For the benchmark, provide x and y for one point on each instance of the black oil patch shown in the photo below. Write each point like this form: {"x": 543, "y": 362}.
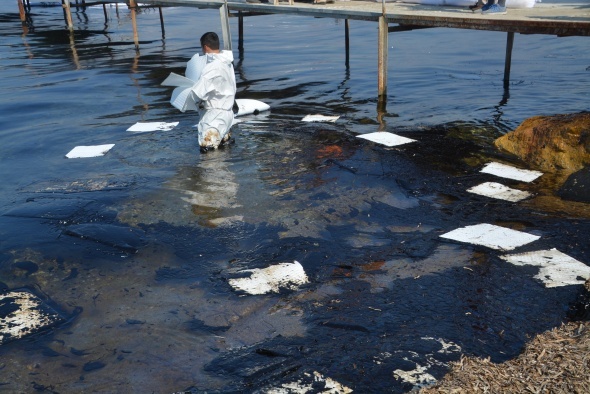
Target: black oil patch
{"x": 49, "y": 208}
{"x": 127, "y": 239}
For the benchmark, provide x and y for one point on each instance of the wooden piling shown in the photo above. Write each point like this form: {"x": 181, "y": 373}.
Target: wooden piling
{"x": 382, "y": 46}
{"x": 240, "y": 31}
{"x": 224, "y": 14}
{"x": 347, "y": 43}
{"x": 132, "y": 7}
{"x": 162, "y": 22}
{"x": 68, "y": 11}
{"x": 21, "y": 11}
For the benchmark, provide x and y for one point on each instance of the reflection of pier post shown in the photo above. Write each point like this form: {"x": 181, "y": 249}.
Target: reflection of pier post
{"x": 508, "y": 61}
{"x": 75, "y": 57}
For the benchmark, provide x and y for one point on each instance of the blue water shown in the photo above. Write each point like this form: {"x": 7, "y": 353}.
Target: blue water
{"x": 59, "y": 91}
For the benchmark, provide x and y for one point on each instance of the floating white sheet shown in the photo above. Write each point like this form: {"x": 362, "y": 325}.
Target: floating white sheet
{"x": 506, "y": 171}
{"x": 556, "y": 268}
{"x": 499, "y": 191}
{"x": 31, "y": 315}
{"x": 89, "y": 151}
{"x": 320, "y": 118}
{"x": 271, "y": 279}
{"x": 142, "y": 127}
{"x": 492, "y": 236}
{"x": 385, "y": 138}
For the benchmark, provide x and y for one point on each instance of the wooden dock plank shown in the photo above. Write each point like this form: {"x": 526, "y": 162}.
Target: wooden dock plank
{"x": 572, "y": 19}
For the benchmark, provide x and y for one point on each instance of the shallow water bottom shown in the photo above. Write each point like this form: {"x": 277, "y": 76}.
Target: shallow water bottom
{"x": 386, "y": 293}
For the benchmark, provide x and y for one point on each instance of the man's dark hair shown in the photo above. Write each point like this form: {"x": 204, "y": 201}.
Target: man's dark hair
{"x": 211, "y": 40}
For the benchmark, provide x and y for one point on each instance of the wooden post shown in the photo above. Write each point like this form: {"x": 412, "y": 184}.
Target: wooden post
{"x": 382, "y": 60}
{"x": 104, "y": 10}
{"x": 346, "y": 42}
{"x": 162, "y": 22}
{"x": 21, "y": 10}
{"x": 66, "y": 6}
{"x": 132, "y": 6}
{"x": 508, "y": 61}
{"x": 224, "y": 14}
{"x": 240, "y": 31}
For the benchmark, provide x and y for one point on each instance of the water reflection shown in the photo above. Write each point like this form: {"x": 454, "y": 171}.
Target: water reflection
{"x": 200, "y": 194}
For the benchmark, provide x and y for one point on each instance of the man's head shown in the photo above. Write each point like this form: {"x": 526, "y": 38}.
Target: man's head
{"x": 210, "y": 42}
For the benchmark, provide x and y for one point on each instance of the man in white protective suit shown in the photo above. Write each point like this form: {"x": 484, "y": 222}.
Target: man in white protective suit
{"x": 215, "y": 91}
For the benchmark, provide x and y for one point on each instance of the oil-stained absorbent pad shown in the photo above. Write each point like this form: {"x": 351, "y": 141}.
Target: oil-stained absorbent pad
{"x": 23, "y": 314}
{"x": 506, "y": 171}
{"x": 385, "y": 138}
{"x": 319, "y": 118}
{"x": 142, "y": 127}
{"x": 492, "y": 236}
{"x": 499, "y": 191}
{"x": 315, "y": 383}
{"x": 556, "y": 268}
{"x": 89, "y": 151}
{"x": 271, "y": 279}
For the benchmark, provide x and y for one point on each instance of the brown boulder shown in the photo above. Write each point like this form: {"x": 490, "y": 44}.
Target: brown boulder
{"x": 558, "y": 143}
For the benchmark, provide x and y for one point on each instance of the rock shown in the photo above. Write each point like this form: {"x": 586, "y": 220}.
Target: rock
{"x": 576, "y": 187}
{"x": 559, "y": 143}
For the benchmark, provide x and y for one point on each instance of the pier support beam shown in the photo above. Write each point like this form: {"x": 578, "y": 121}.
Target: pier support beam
{"x": 240, "y": 31}
{"x": 347, "y": 42}
{"x": 382, "y": 45}
{"x": 508, "y": 61}
{"x": 162, "y": 23}
{"x": 68, "y": 11}
{"x": 22, "y": 12}
{"x": 133, "y": 7}
{"x": 224, "y": 14}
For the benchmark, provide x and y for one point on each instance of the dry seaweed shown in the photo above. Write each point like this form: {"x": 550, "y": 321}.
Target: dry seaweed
{"x": 556, "y": 361}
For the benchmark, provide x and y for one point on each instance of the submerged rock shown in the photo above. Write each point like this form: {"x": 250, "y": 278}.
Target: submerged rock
{"x": 23, "y": 314}
{"x": 577, "y": 187}
{"x": 559, "y": 143}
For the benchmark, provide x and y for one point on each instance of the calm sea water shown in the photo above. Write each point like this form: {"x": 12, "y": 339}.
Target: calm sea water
{"x": 141, "y": 312}
{"x": 59, "y": 91}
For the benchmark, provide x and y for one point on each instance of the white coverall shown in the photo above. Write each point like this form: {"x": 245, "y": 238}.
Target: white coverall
{"x": 215, "y": 89}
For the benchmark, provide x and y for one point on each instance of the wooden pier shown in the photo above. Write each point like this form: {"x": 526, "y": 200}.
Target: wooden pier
{"x": 572, "y": 19}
